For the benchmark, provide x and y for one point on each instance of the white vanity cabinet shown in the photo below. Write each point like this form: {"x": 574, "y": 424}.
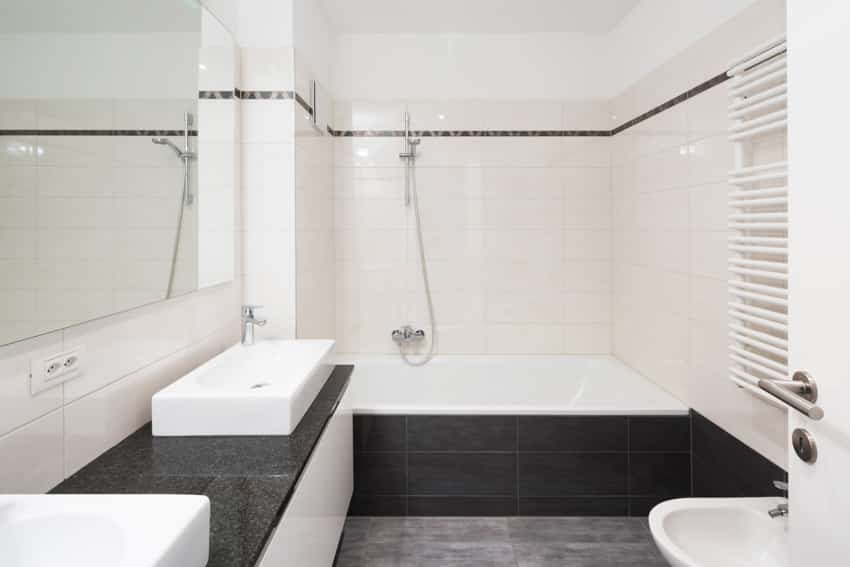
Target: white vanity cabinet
{"x": 309, "y": 531}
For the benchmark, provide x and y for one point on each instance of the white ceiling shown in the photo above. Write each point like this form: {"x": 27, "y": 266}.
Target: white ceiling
{"x": 475, "y": 16}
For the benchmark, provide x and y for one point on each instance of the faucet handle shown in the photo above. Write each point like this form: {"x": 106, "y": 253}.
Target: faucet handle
{"x": 781, "y": 485}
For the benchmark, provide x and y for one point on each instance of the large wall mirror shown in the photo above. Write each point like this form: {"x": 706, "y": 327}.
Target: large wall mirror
{"x": 117, "y": 158}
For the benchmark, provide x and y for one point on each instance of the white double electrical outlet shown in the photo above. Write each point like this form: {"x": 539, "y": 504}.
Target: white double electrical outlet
{"x": 49, "y": 372}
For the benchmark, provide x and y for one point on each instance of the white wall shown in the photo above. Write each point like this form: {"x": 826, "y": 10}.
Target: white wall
{"x": 314, "y": 194}
{"x": 517, "y": 230}
{"x": 314, "y": 41}
{"x": 530, "y": 66}
{"x": 656, "y": 30}
{"x": 524, "y": 66}
{"x": 255, "y": 23}
{"x": 100, "y": 66}
{"x": 264, "y": 31}
{"x": 670, "y": 245}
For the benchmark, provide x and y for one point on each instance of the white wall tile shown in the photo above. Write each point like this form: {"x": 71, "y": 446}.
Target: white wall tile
{"x": 68, "y": 114}
{"x": 516, "y": 307}
{"x": 524, "y": 339}
{"x": 18, "y": 114}
{"x": 163, "y": 114}
{"x": 587, "y": 339}
{"x": 709, "y": 209}
{"x": 17, "y": 405}
{"x": 98, "y": 421}
{"x": 373, "y": 115}
{"x": 670, "y": 242}
{"x": 587, "y": 308}
{"x": 267, "y": 68}
{"x": 270, "y": 121}
{"x": 587, "y": 244}
{"x": 709, "y": 254}
{"x": 31, "y": 456}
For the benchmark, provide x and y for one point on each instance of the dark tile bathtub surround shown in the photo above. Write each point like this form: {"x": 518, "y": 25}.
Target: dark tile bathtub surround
{"x": 248, "y": 480}
{"x": 724, "y": 466}
{"x": 518, "y": 465}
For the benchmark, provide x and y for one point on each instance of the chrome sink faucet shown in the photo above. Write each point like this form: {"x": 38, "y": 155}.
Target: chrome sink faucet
{"x": 781, "y": 510}
{"x": 248, "y": 323}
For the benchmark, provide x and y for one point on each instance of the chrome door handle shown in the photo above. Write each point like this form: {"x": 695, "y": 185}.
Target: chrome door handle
{"x": 800, "y": 393}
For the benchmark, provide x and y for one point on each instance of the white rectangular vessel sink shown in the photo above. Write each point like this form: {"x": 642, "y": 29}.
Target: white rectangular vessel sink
{"x": 137, "y": 530}
{"x": 261, "y": 389}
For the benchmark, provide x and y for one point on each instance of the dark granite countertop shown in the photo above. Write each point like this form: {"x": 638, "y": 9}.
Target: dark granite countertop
{"x": 248, "y": 480}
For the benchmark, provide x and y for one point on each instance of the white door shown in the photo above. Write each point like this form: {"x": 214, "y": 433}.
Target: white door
{"x": 819, "y": 285}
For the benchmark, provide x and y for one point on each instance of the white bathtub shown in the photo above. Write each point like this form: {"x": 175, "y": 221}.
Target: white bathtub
{"x": 543, "y": 385}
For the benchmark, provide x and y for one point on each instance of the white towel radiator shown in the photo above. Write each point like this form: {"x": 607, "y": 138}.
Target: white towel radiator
{"x": 758, "y": 221}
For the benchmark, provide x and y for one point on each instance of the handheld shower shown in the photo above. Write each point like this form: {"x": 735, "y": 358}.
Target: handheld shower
{"x": 407, "y": 335}
{"x": 182, "y": 154}
{"x": 186, "y": 198}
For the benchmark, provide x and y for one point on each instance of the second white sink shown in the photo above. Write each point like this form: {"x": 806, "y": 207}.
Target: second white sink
{"x": 138, "y": 530}
{"x": 262, "y": 389}
{"x": 710, "y": 532}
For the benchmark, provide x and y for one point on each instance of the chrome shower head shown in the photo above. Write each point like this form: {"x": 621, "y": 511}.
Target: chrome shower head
{"x": 169, "y": 143}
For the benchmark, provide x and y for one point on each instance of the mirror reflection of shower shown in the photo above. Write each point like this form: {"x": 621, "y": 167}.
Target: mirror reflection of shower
{"x": 407, "y": 335}
{"x": 186, "y": 155}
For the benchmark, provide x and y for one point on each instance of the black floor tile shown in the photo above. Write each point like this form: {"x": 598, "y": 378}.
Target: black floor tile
{"x": 589, "y": 555}
{"x": 578, "y": 530}
{"x": 576, "y": 506}
{"x": 502, "y": 542}
{"x": 461, "y": 506}
{"x": 439, "y": 530}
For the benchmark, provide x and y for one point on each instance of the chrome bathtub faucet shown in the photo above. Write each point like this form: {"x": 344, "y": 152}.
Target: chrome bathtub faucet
{"x": 249, "y": 321}
{"x": 407, "y": 335}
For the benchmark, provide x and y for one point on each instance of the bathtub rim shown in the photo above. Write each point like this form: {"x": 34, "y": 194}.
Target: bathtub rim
{"x": 671, "y": 406}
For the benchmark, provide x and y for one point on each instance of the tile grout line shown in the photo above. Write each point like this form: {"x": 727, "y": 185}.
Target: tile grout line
{"x": 629, "y": 466}
{"x": 516, "y": 481}
{"x": 406, "y": 468}
{"x": 691, "y": 438}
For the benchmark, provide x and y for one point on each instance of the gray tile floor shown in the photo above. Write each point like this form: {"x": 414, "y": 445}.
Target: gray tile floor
{"x": 498, "y": 542}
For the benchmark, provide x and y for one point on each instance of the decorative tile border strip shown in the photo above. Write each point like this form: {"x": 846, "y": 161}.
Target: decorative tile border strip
{"x": 702, "y": 87}
{"x": 304, "y": 104}
{"x": 216, "y": 95}
{"x": 471, "y": 133}
{"x": 82, "y": 132}
{"x": 273, "y": 95}
{"x": 264, "y": 95}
